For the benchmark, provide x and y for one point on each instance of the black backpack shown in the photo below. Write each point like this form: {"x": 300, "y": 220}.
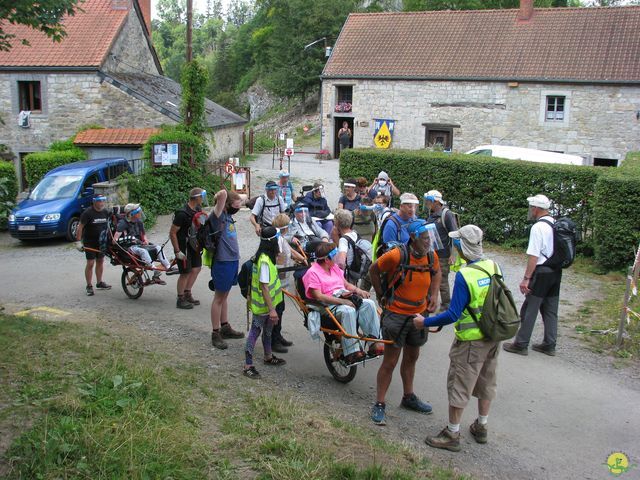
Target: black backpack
{"x": 360, "y": 262}
{"x": 565, "y": 237}
{"x": 244, "y": 277}
{"x": 264, "y": 205}
{"x": 391, "y": 281}
{"x": 499, "y": 320}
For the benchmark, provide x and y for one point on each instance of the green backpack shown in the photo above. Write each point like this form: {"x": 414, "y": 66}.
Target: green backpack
{"x": 499, "y": 320}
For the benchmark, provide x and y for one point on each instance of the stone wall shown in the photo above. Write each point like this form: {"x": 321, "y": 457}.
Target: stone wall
{"x": 600, "y": 121}
{"x": 227, "y": 142}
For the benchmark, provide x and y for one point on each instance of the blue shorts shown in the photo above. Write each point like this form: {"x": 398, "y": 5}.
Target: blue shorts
{"x": 224, "y": 275}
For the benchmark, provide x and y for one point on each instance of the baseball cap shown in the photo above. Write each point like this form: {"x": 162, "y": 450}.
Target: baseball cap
{"x": 409, "y": 198}
{"x": 283, "y": 173}
{"x": 132, "y": 208}
{"x": 470, "y": 239}
{"x": 434, "y": 196}
{"x": 540, "y": 201}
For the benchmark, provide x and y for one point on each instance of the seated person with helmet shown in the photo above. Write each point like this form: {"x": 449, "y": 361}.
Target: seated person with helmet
{"x": 131, "y": 235}
{"x": 324, "y": 283}
{"x": 303, "y": 230}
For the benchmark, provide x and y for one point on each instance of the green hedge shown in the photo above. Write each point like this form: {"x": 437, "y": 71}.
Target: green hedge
{"x": 39, "y": 163}
{"x": 8, "y": 191}
{"x": 492, "y": 192}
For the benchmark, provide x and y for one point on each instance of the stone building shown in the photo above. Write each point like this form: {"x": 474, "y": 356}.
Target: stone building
{"x": 559, "y": 79}
{"x": 104, "y": 72}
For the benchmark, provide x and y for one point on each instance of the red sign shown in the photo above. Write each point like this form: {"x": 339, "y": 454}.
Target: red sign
{"x": 228, "y": 167}
{"x": 288, "y": 152}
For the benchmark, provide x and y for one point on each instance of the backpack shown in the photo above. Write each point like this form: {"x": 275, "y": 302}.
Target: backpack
{"x": 360, "y": 262}
{"x": 264, "y": 205}
{"x": 379, "y": 247}
{"x": 390, "y": 283}
{"x": 195, "y": 232}
{"x": 499, "y": 320}
{"x": 565, "y": 237}
{"x": 244, "y": 277}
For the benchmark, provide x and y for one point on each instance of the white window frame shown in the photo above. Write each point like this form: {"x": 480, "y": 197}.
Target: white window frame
{"x": 544, "y": 94}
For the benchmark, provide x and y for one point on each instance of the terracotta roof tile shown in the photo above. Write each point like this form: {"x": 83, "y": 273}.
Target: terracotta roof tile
{"x": 89, "y": 37}
{"x": 115, "y": 136}
{"x": 579, "y": 44}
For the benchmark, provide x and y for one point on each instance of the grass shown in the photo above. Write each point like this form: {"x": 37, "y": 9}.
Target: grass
{"x": 79, "y": 402}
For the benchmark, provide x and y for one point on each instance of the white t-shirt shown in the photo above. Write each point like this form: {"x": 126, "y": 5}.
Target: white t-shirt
{"x": 541, "y": 240}
{"x": 271, "y": 208}
{"x": 264, "y": 273}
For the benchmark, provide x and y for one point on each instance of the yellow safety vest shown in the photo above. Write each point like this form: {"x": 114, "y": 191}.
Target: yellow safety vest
{"x": 478, "y": 283}
{"x": 258, "y": 304}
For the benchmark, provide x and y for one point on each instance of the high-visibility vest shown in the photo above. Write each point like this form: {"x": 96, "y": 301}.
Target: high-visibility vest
{"x": 258, "y": 304}
{"x": 478, "y": 283}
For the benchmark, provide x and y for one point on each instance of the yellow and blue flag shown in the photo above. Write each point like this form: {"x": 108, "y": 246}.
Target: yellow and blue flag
{"x": 383, "y": 134}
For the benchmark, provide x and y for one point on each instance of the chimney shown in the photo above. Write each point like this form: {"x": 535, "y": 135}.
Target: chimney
{"x": 526, "y": 10}
{"x": 145, "y": 9}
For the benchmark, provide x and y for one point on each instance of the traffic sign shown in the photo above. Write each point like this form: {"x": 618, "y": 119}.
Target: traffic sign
{"x": 228, "y": 167}
{"x": 288, "y": 152}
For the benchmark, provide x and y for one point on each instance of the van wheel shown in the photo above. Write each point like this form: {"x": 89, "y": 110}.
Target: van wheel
{"x": 72, "y": 228}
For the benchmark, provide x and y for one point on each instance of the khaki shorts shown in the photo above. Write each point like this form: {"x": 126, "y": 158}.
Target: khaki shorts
{"x": 472, "y": 371}
{"x": 396, "y": 327}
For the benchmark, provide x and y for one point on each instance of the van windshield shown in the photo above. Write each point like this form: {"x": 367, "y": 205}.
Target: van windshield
{"x": 57, "y": 186}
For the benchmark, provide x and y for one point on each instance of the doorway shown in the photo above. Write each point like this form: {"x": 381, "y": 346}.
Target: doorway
{"x": 337, "y": 125}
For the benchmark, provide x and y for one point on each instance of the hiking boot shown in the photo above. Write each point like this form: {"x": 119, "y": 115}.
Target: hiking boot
{"x": 227, "y": 332}
{"x": 542, "y": 348}
{"x": 157, "y": 280}
{"x": 183, "y": 303}
{"x": 103, "y": 286}
{"x": 285, "y": 342}
{"x": 479, "y": 432}
{"x": 217, "y": 341}
{"x": 412, "y": 402}
{"x": 90, "y": 292}
{"x": 377, "y": 414}
{"x": 446, "y": 440}
{"x": 189, "y": 298}
{"x": 278, "y": 347}
{"x": 514, "y": 348}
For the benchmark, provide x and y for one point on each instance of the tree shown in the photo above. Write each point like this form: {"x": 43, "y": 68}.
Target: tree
{"x": 43, "y": 15}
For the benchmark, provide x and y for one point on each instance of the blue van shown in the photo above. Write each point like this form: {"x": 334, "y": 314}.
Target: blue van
{"x": 54, "y": 206}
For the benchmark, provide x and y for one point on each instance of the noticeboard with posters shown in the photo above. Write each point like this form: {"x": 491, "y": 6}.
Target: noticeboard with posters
{"x": 165, "y": 154}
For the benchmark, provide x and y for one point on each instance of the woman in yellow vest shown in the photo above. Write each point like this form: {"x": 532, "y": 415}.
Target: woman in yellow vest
{"x": 265, "y": 296}
{"x": 472, "y": 370}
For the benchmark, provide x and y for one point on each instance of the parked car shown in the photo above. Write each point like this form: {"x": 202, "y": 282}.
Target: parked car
{"x": 53, "y": 207}
{"x": 528, "y": 154}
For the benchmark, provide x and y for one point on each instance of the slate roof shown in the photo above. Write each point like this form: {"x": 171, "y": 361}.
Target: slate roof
{"x": 556, "y": 44}
{"x": 90, "y": 35}
{"x": 115, "y": 136}
{"x": 164, "y": 95}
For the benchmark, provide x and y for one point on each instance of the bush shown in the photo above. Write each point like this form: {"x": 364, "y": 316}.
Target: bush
{"x": 8, "y": 191}
{"x": 39, "y": 163}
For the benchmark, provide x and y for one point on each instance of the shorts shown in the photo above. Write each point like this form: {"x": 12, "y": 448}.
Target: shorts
{"x": 472, "y": 371}
{"x": 399, "y": 328}
{"x": 193, "y": 260}
{"x": 91, "y": 255}
{"x": 224, "y": 275}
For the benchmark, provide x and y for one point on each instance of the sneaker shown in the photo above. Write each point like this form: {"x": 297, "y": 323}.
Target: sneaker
{"x": 89, "y": 291}
{"x": 251, "y": 372}
{"x": 412, "y": 402}
{"x": 285, "y": 342}
{"x": 542, "y": 348}
{"x": 479, "y": 432}
{"x": 190, "y": 299}
{"x": 103, "y": 286}
{"x": 217, "y": 341}
{"x": 183, "y": 303}
{"x": 513, "y": 348}
{"x": 446, "y": 440}
{"x": 354, "y": 357}
{"x": 278, "y": 347}
{"x": 377, "y": 414}
{"x": 227, "y": 332}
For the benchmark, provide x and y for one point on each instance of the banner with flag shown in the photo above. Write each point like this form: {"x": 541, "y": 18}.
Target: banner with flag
{"x": 383, "y": 134}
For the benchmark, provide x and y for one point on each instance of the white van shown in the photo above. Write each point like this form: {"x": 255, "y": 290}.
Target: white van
{"x": 528, "y": 154}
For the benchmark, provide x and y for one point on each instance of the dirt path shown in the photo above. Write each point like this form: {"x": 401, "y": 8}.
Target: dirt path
{"x": 554, "y": 417}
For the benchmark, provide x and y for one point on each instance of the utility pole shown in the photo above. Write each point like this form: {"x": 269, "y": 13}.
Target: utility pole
{"x": 188, "y": 112}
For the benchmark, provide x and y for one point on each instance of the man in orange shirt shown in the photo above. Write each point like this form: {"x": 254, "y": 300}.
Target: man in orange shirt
{"x": 413, "y": 273}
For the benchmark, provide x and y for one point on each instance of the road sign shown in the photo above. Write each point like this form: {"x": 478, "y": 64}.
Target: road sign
{"x": 288, "y": 152}
{"x": 228, "y": 167}
{"x": 289, "y": 142}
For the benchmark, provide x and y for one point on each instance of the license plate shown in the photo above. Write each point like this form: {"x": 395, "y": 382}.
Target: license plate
{"x": 26, "y": 227}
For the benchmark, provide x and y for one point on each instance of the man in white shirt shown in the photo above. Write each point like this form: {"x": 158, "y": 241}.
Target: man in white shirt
{"x": 540, "y": 284}
{"x": 266, "y": 208}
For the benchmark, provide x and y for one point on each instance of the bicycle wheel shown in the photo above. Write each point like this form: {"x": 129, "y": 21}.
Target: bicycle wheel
{"x": 132, "y": 284}
{"x": 332, "y": 355}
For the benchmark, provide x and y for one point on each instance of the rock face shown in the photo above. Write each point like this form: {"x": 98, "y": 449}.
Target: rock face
{"x": 259, "y": 100}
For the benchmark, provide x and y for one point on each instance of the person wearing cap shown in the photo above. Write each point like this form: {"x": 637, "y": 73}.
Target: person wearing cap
{"x": 324, "y": 282}
{"x": 285, "y": 186}
{"x": 473, "y": 357}
{"x": 395, "y": 228}
{"x": 445, "y": 222}
{"x": 267, "y": 206}
{"x": 383, "y": 185}
{"x": 264, "y": 298}
{"x": 130, "y": 233}
{"x": 318, "y": 207}
{"x": 540, "y": 283}
{"x": 415, "y": 295}
{"x": 188, "y": 260}
{"x": 93, "y": 222}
